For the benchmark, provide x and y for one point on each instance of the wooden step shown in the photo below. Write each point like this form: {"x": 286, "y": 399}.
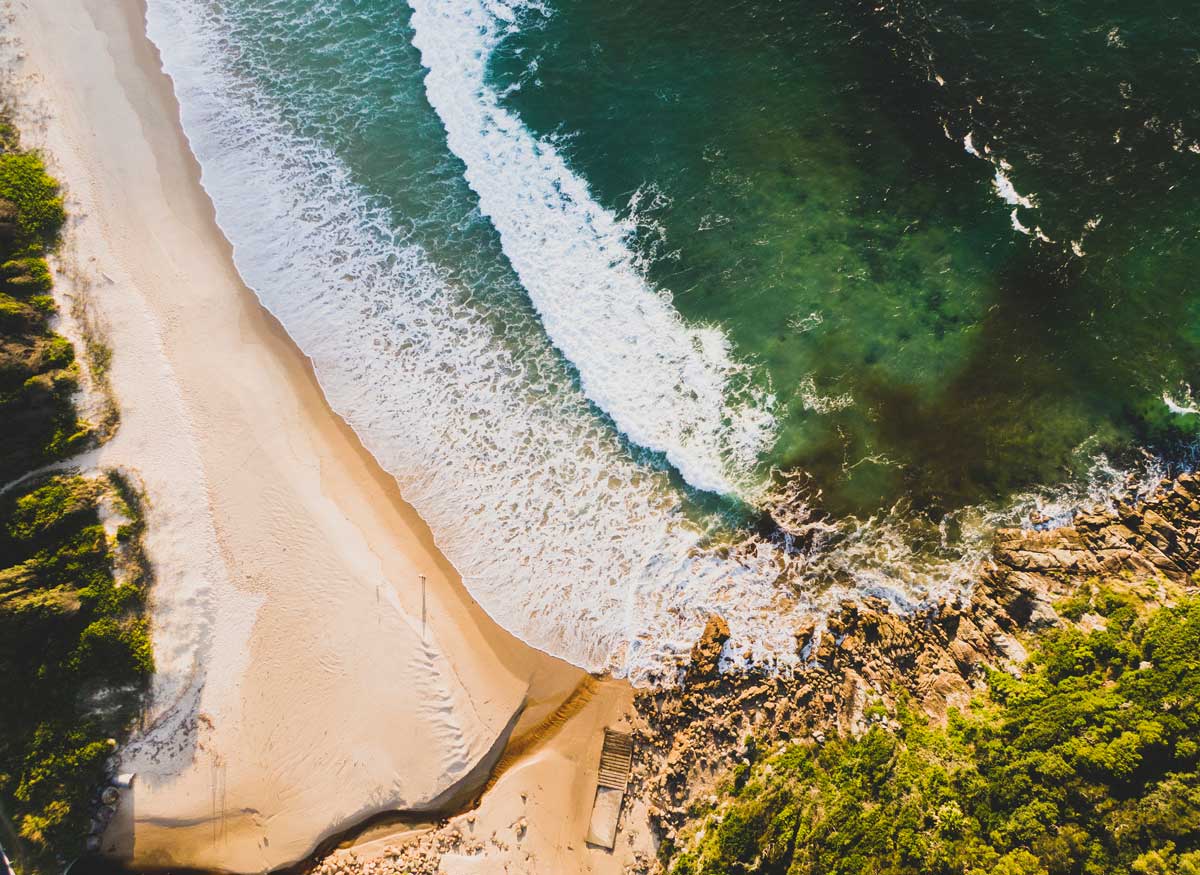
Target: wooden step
{"x": 616, "y": 760}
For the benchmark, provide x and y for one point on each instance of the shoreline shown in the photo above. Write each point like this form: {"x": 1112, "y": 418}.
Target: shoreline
{"x": 274, "y": 701}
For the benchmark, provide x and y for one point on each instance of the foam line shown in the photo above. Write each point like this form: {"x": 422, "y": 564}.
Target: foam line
{"x": 561, "y": 536}
{"x": 669, "y": 386}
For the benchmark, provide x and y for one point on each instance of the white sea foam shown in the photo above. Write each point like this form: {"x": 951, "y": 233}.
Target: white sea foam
{"x": 1004, "y": 188}
{"x": 813, "y": 400}
{"x": 805, "y": 324}
{"x": 669, "y": 386}
{"x": 1185, "y": 407}
{"x": 1008, "y": 192}
{"x": 560, "y": 535}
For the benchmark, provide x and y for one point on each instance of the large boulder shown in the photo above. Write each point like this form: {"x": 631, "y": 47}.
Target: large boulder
{"x": 706, "y": 652}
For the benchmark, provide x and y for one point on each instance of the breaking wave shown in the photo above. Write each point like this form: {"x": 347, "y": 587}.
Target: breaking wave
{"x": 670, "y": 387}
{"x": 564, "y": 536}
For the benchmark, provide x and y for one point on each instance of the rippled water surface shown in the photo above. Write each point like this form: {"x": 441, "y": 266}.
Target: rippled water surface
{"x": 961, "y": 246}
{"x": 642, "y": 291}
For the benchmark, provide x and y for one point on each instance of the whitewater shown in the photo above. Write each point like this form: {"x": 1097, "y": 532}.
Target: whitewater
{"x": 670, "y": 387}
{"x": 566, "y": 534}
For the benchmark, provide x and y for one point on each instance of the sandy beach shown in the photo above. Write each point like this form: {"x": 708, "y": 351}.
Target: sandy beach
{"x": 307, "y": 678}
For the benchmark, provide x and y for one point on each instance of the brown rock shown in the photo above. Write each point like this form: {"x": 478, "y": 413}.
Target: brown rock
{"x": 824, "y": 652}
{"x": 706, "y": 652}
{"x": 804, "y": 633}
{"x": 965, "y": 655}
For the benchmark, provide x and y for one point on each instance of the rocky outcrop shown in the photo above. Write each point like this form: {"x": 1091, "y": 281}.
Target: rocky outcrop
{"x": 1159, "y": 537}
{"x": 706, "y": 652}
{"x": 689, "y": 738}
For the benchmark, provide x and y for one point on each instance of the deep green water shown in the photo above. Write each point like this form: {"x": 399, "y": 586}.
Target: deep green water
{"x": 800, "y": 179}
{"x": 955, "y": 242}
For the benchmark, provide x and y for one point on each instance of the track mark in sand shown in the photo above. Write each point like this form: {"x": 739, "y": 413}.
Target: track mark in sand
{"x": 521, "y": 746}
{"x": 218, "y": 787}
{"x": 443, "y": 702}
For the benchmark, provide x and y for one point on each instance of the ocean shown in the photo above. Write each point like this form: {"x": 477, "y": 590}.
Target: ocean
{"x": 661, "y": 310}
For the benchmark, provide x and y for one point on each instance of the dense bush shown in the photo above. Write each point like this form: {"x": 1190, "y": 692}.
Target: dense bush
{"x": 25, "y": 184}
{"x": 70, "y": 635}
{"x": 38, "y": 375}
{"x": 1086, "y": 764}
{"x": 74, "y": 646}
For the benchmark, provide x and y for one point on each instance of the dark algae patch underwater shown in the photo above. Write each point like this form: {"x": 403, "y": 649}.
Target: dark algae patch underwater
{"x": 943, "y": 319}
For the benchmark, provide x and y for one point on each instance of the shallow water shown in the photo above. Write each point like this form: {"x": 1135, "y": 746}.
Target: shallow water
{"x": 633, "y": 289}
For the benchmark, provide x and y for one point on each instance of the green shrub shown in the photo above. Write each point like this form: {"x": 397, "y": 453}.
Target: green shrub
{"x": 1087, "y": 764}
{"x": 42, "y": 421}
{"x": 58, "y": 352}
{"x": 14, "y": 314}
{"x": 58, "y": 757}
{"x": 67, "y": 629}
{"x": 37, "y": 371}
{"x": 27, "y": 276}
{"x": 44, "y": 508}
{"x": 110, "y": 645}
{"x": 25, "y": 183}
{"x": 43, "y": 304}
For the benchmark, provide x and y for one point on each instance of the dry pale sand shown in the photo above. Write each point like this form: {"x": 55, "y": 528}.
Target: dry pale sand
{"x": 534, "y": 816}
{"x": 534, "y": 819}
{"x": 306, "y": 679}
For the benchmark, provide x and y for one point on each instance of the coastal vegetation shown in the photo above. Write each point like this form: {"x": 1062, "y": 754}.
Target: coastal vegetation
{"x": 38, "y": 372}
{"x": 74, "y": 646}
{"x": 1085, "y": 761}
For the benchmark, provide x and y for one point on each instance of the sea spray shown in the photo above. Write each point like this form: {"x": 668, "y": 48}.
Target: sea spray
{"x": 562, "y": 534}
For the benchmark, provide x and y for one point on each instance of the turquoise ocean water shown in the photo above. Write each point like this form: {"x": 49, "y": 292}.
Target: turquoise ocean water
{"x": 732, "y": 307}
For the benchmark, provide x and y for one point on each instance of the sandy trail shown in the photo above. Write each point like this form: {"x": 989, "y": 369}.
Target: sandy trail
{"x": 306, "y": 678}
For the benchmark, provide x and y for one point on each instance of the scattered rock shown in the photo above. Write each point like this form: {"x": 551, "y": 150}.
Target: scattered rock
{"x": 687, "y": 739}
{"x": 865, "y": 653}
